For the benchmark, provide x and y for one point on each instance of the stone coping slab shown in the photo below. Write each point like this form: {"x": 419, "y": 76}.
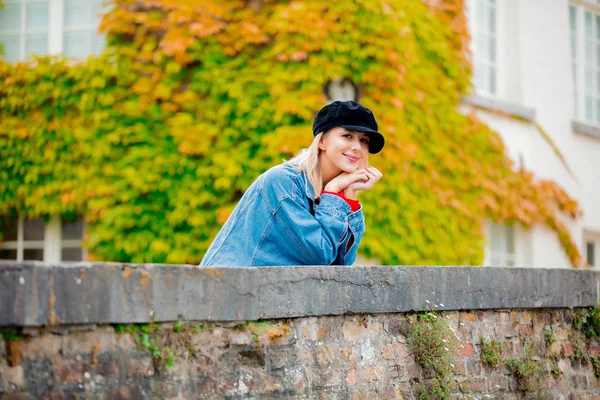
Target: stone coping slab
{"x": 34, "y": 294}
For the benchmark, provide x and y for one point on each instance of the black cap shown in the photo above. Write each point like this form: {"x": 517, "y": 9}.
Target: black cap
{"x": 352, "y": 116}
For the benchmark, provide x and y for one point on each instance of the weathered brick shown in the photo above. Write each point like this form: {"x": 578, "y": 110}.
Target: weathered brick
{"x": 140, "y": 367}
{"x": 460, "y": 368}
{"x": 325, "y": 354}
{"x": 131, "y": 392}
{"x": 352, "y": 377}
{"x": 393, "y": 393}
{"x": 502, "y": 317}
{"x": 330, "y": 377}
{"x": 387, "y": 352}
{"x": 268, "y": 383}
{"x": 313, "y": 330}
{"x": 464, "y": 350}
{"x": 280, "y": 356}
{"x": 239, "y": 385}
{"x": 477, "y": 385}
{"x": 354, "y": 330}
{"x": 70, "y": 371}
{"x": 467, "y": 317}
{"x": 371, "y": 375}
{"x": 56, "y": 395}
{"x": 16, "y": 396}
{"x": 497, "y": 384}
{"x": 402, "y": 351}
{"x": 11, "y": 378}
{"x": 349, "y": 355}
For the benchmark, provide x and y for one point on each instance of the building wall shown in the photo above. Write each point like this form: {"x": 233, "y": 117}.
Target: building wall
{"x": 339, "y": 357}
{"x": 535, "y": 72}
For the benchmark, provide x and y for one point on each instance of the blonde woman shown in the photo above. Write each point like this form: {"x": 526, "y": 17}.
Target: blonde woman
{"x": 305, "y": 211}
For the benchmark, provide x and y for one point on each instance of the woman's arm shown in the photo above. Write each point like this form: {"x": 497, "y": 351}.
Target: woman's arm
{"x": 318, "y": 237}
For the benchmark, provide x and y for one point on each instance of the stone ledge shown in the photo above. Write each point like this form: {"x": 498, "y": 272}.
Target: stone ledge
{"x": 38, "y": 294}
{"x": 581, "y": 128}
{"x": 516, "y": 110}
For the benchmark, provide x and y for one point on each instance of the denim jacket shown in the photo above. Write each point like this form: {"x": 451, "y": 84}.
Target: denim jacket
{"x": 278, "y": 222}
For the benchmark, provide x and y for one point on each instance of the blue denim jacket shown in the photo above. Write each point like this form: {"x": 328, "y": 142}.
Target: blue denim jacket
{"x": 278, "y": 222}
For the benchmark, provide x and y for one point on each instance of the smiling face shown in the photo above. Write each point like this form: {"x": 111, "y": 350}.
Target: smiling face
{"x": 343, "y": 151}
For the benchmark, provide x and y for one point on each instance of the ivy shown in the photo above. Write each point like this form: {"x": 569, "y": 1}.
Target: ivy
{"x": 156, "y": 139}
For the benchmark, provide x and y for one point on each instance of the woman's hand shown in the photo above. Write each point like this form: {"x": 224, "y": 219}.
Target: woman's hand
{"x": 352, "y": 183}
{"x": 373, "y": 176}
{"x": 345, "y": 179}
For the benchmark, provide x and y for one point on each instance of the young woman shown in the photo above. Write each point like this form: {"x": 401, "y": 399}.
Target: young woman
{"x": 305, "y": 211}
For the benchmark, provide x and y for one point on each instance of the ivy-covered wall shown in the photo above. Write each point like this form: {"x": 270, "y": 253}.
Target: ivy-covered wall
{"x": 156, "y": 139}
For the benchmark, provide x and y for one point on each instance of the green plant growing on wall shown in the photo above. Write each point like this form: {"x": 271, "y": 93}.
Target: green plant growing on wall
{"x": 587, "y": 321}
{"x": 433, "y": 344}
{"x": 528, "y": 370}
{"x": 549, "y": 337}
{"x": 491, "y": 352}
{"x": 596, "y": 365}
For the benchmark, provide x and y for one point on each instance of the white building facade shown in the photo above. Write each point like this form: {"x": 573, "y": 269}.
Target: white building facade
{"x": 539, "y": 61}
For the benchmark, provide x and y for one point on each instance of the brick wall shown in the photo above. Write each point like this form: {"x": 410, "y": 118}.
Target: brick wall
{"x": 326, "y": 357}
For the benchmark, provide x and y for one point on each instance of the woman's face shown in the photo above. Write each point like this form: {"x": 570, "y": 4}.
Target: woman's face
{"x": 345, "y": 150}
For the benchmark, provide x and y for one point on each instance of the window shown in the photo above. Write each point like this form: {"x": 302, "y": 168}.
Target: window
{"x": 41, "y": 27}
{"x": 584, "y": 19}
{"x": 34, "y": 239}
{"x": 590, "y": 254}
{"x": 483, "y": 24}
{"x": 500, "y": 251}
{"x": 591, "y": 248}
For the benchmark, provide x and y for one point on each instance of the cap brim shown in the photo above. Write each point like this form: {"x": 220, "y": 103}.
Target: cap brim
{"x": 376, "y": 140}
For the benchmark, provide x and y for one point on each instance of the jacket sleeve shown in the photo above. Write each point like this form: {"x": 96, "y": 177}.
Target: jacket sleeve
{"x": 356, "y": 223}
{"x": 318, "y": 237}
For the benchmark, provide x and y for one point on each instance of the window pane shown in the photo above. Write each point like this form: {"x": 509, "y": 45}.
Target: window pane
{"x": 589, "y": 111}
{"x": 36, "y": 43}
{"x": 492, "y": 49}
{"x": 71, "y": 255}
{"x": 589, "y": 80}
{"x": 33, "y": 254}
{"x": 98, "y": 43}
{"x": 7, "y": 254}
{"x": 34, "y": 229}
{"x": 77, "y": 44}
{"x": 12, "y": 51}
{"x": 589, "y": 254}
{"x": 598, "y": 111}
{"x": 493, "y": 80}
{"x": 492, "y": 20}
{"x": 573, "y": 18}
{"x": 495, "y": 238}
{"x": 72, "y": 229}
{"x": 510, "y": 240}
{"x": 77, "y": 13}
{"x": 10, "y": 226}
{"x": 589, "y": 30}
{"x": 598, "y": 27}
{"x": 36, "y": 15}
{"x": 588, "y": 49}
{"x": 480, "y": 14}
{"x": 10, "y": 18}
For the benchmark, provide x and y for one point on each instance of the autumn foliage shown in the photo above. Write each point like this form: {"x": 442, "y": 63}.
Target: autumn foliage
{"x": 156, "y": 139}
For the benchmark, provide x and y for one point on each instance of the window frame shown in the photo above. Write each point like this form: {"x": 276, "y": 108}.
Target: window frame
{"x": 578, "y": 61}
{"x": 52, "y": 244}
{"x": 56, "y": 28}
{"x": 590, "y": 237}
{"x": 507, "y": 259}
{"x": 471, "y": 11}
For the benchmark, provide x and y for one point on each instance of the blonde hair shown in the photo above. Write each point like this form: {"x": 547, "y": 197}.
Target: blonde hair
{"x": 308, "y": 160}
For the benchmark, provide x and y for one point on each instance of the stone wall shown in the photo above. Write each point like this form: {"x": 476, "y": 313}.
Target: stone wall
{"x": 351, "y": 355}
